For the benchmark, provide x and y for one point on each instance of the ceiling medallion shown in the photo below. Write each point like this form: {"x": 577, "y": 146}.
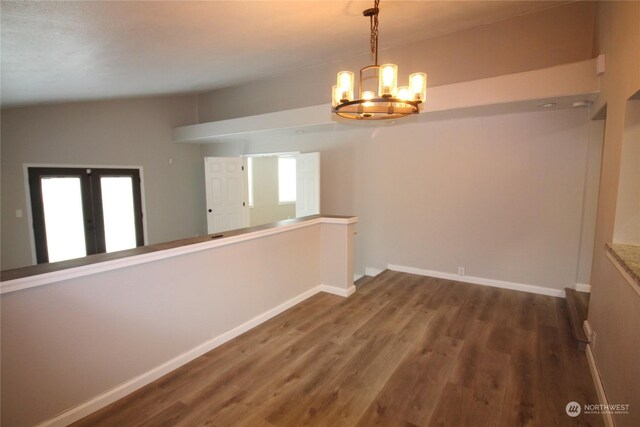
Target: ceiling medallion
{"x": 390, "y": 101}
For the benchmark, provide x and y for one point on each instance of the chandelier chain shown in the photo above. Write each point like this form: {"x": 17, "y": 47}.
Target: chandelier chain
{"x": 374, "y": 30}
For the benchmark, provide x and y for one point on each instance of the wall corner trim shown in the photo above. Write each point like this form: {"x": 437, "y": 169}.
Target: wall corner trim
{"x": 597, "y": 382}
{"x": 371, "y": 271}
{"x": 336, "y": 290}
{"x": 480, "y": 281}
{"x": 582, "y": 287}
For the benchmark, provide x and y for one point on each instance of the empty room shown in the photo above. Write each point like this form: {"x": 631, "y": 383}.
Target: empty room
{"x": 316, "y": 212}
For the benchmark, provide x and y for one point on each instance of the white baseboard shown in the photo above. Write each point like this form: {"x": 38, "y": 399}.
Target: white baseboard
{"x": 583, "y": 287}
{"x": 597, "y": 381}
{"x": 335, "y": 290}
{"x": 480, "y": 281}
{"x": 357, "y": 277}
{"x": 373, "y": 272}
{"x": 76, "y": 413}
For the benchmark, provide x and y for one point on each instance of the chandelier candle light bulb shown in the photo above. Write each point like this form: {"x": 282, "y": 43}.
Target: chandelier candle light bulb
{"x": 405, "y": 94}
{"x": 337, "y": 95}
{"x": 390, "y": 102}
{"x": 418, "y": 82}
{"x": 368, "y": 95}
{"x": 388, "y": 80}
{"x": 345, "y": 83}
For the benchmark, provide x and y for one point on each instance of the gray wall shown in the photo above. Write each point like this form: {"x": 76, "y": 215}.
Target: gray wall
{"x": 551, "y": 37}
{"x": 134, "y": 132}
{"x": 503, "y": 196}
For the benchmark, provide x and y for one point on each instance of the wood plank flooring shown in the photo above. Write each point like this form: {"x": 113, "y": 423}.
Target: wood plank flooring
{"x": 403, "y": 350}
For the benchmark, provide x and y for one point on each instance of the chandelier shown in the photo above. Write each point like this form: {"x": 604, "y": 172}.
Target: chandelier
{"x": 386, "y": 100}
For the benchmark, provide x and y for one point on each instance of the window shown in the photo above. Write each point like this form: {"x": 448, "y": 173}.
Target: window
{"x": 286, "y": 179}
{"x": 78, "y": 212}
{"x": 250, "y": 179}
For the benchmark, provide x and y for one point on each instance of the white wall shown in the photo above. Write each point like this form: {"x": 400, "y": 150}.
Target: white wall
{"x": 135, "y": 132}
{"x": 500, "y": 195}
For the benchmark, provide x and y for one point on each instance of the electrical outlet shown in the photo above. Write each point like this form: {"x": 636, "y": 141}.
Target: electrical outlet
{"x": 460, "y": 271}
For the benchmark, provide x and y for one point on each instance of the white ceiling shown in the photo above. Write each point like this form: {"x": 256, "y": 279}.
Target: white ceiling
{"x": 66, "y": 51}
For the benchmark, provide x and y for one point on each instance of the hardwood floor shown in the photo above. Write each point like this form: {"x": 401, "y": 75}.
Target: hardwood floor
{"x": 403, "y": 350}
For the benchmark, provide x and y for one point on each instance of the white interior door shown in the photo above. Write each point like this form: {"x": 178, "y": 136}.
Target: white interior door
{"x": 225, "y": 186}
{"x": 307, "y": 184}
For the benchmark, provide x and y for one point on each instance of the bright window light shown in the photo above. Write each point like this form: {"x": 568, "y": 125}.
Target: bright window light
{"x": 64, "y": 221}
{"x": 286, "y": 179}
{"x": 118, "y": 213}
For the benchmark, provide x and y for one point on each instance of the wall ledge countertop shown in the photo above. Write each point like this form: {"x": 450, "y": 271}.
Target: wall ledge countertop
{"x": 628, "y": 256}
{"x": 35, "y": 275}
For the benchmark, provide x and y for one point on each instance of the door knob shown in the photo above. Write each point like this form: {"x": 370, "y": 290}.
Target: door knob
{"x": 210, "y": 210}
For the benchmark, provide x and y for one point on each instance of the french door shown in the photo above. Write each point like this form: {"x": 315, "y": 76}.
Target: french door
{"x": 78, "y": 212}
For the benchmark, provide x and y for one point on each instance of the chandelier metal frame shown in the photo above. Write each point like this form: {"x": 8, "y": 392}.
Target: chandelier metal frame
{"x": 388, "y": 104}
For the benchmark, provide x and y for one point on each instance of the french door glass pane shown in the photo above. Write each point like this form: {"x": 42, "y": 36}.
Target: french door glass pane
{"x": 64, "y": 223}
{"x": 118, "y": 213}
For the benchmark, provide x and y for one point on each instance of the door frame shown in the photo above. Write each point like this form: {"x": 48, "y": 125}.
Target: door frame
{"x": 27, "y": 192}
{"x": 247, "y": 219}
{"x": 275, "y": 154}
{"x": 299, "y": 202}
